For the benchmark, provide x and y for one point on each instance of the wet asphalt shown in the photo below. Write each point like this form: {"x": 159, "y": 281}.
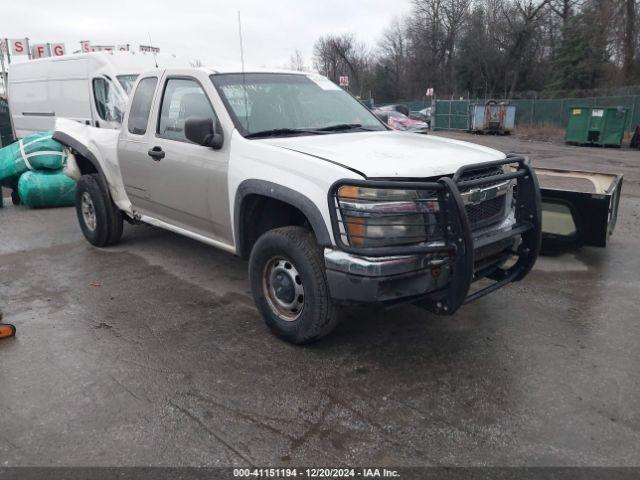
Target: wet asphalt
{"x": 152, "y": 353}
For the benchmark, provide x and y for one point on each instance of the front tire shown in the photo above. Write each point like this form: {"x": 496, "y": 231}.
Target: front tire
{"x": 100, "y": 220}
{"x": 289, "y": 285}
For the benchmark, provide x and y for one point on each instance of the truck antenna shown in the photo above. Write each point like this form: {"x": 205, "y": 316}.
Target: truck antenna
{"x": 152, "y": 50}
{"x": 241, "y": 46}
{"x": 244, "y": 80}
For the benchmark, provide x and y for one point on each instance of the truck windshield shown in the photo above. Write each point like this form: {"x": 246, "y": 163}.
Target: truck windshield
{"x": 273, "y": 104}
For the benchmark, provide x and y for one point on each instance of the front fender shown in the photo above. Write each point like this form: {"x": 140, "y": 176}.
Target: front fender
{"x": 99, "y": 147}
{"x": 284, "y": 194}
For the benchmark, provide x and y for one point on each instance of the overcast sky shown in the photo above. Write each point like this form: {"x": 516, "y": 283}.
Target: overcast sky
{"x": 201, "y": 29}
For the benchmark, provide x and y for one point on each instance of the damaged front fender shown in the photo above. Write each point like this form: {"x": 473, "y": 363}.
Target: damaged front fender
{"x": 99, "y": 147}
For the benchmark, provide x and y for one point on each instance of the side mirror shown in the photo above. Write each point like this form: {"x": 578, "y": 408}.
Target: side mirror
{"x": 201, "y": 131}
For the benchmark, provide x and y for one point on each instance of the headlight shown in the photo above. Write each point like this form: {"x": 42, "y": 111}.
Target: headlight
{"x": 377, "y": 217}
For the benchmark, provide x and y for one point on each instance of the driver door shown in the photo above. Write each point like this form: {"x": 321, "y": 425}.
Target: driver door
{"x": 188, "y": 186}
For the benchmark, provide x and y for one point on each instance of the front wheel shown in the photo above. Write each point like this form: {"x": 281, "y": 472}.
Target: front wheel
{"x": 289, "y": 285}
{"x": 100, "y": 220}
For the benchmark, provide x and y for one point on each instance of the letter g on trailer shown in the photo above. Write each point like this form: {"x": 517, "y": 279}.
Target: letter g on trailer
{"x": 455, "y": 254}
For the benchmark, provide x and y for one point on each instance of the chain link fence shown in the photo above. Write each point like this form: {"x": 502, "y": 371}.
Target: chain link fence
{"x": 454, "y": 114}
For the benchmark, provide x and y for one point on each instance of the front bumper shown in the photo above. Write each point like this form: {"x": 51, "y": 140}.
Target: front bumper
{"x": 439, "y": 275}
{"x": 359, "y": 279}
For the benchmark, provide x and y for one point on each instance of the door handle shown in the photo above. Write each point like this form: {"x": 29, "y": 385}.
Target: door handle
{"x": 156, "y": 153}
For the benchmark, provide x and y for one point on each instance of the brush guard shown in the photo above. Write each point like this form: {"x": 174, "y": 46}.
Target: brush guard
{"x": 454, "y": 237}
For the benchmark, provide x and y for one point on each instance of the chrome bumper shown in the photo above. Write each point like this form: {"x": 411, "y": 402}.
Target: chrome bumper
{"x": 344, "y": 262}
{"x": 358, "y": 279}
{"x": 396, "y": 279}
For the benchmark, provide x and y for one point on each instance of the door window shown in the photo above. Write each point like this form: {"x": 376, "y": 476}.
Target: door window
{"x": 109, "y": 101}
{"x": 182, "y": 99}
{"x": 141, "y": 106}
{"x": 127, "y": 82}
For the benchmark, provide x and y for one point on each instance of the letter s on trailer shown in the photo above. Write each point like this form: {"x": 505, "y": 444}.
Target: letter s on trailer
{"x": 328, "y": 204}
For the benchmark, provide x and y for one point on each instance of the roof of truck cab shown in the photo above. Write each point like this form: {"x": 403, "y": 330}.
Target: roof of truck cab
{"x": 224, "y": 71}
{"x": 217, "y": 71}
{"x": 256, "y": 70}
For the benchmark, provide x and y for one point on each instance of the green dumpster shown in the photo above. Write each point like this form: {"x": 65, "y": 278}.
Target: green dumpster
{"x": 596, "y": 125}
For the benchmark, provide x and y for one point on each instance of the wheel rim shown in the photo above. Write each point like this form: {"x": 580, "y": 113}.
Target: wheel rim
{"x": 88, "y": 211}
{"x": 283, "y": 288}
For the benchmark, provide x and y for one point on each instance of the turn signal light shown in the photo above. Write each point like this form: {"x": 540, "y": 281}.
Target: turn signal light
{"x": 7, "y": 330}
{"x": 355, "y": 226}
{"x": 356, "y": 229}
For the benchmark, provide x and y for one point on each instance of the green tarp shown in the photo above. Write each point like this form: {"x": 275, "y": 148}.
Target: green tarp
{"x": 33, "y": 167}
{"x": 37, "y": 151}
{"x": 38, "y": 189}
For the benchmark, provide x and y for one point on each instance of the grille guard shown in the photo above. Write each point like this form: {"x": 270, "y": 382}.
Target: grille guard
{"x": 457, "y": 237}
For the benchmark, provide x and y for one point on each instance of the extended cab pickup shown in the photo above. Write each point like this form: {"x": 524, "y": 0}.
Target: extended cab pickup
{"x": 328, "y": 204}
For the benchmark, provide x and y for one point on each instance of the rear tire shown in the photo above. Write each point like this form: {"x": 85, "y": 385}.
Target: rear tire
{"x": 289, "y": 285}
{"x": 100, "y": 220}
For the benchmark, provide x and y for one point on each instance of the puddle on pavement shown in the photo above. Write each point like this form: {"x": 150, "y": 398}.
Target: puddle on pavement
{"x": 561, "y": 263}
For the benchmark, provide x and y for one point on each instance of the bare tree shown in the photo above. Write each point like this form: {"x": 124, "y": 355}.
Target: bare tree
{"x": 434, "y": 31}
{"x": 491, "y": 47}
{"x": 393, "y": 53}
{"x": 565, "y": 9}
{"x": 523, "y": 17}
{"x": 629, "y": 40}
{"x": 296, "y": 61}
{"x": 338, "y": 55}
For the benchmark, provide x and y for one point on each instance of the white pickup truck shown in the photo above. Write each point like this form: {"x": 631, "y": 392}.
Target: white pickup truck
{"x": 328, "y": 204}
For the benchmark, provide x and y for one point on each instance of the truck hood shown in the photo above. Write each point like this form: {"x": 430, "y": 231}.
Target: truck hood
{"x": 390, "y": 154}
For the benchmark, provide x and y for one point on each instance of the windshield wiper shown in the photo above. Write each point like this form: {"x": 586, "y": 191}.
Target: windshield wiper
{"x": 315, "y": 131}
{"x": 343, "y": 126}
{"x": 281, "y": 131}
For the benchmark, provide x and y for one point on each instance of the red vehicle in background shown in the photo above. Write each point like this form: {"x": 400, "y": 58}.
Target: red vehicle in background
{"x": 399, "y": 121}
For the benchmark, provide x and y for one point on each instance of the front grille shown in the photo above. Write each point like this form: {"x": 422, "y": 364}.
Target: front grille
{"x": 486, "y": 211}
{"x": 491, "y": 210}
{"x": 479, "y": 174}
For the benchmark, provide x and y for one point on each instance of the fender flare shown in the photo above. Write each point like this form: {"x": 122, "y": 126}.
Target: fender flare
{"x": 284, "y": 194}
{"x": 74, "y": 144}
